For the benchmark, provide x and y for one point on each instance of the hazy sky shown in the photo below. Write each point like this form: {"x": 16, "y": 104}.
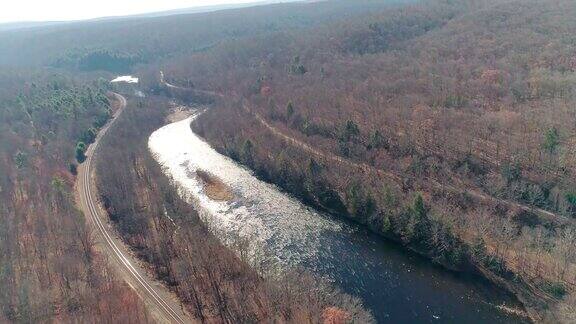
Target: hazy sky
{"x": 49, "y": 10}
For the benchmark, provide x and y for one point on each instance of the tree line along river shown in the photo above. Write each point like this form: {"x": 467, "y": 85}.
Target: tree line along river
{"x": 396, "y": 285}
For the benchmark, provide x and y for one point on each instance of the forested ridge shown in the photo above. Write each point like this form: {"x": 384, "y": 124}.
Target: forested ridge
{"x": 447, "y": 126}
{"x": 51, "y": 108}
{"x": 121, "y": 44}
{"x": 50, "y": 269}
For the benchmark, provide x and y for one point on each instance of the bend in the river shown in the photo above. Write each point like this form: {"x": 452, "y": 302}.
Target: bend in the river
{"x": 396, "y": 285}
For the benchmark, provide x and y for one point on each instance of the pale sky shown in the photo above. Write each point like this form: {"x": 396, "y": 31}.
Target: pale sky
{"x": 56, "y": 10}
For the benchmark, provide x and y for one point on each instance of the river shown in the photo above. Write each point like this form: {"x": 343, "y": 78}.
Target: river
{"x": 397, "y": 286}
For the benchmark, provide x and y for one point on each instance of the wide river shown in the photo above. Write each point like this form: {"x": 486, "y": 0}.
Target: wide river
{"x": 397, "y": 286}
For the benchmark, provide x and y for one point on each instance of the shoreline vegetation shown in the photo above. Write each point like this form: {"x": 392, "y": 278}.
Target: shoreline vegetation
{"x": 211, "y": 281}
{"x": 446, "y": 126}
{"x": 519, "y": 292}
{"x": 476, "y": 176}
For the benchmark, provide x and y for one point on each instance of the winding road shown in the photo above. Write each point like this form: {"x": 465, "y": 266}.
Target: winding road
{"x": 162, "y": 303}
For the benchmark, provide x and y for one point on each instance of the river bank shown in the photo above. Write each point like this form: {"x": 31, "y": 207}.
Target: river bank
{"x": 396, "y": 285}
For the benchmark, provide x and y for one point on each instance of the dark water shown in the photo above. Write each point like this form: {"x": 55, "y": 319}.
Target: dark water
{"x": 403, "y": 287}
{"x": 397, "y": 286}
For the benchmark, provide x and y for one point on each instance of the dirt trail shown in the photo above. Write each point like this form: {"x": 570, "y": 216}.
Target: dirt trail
{"x": 549, "y": 216}
{"x": 363, "y": 167}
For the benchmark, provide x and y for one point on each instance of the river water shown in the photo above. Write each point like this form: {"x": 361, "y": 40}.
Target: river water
{"x": 397, "y": 286}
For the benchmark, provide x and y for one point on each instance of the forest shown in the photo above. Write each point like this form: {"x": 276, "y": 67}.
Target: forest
{"x": 145, "y": 40}
{"x": 165, "y": 231}
{"x": 50, "y": 268}
{"x": 446, "y": 126}
{"x": 54, "y": 98}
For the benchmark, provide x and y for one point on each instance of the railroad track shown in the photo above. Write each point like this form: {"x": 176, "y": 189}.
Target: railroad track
{"x": 90, "y": 206}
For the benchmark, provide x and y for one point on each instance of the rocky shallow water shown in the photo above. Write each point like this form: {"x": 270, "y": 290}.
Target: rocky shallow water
{"x": 397, "y": 286}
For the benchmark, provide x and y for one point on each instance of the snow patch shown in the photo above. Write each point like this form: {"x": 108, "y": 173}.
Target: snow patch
{"x": 125, "y": 78}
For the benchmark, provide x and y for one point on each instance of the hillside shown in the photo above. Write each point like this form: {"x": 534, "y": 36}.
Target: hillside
{"x": 50, "y": 266}
{"x": 52, "y": 105}
{"x": 447, "y": 127}
{"x": 140, "y": 40}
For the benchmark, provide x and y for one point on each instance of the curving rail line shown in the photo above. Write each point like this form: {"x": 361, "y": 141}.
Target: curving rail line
{"x": 90, "y": 207}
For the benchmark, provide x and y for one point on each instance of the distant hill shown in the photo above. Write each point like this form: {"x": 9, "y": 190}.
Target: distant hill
{"x": 27, "y": 24}
{"x": 193, "y": 10}
{"x": 203, "y": 9}
{"x": 144, "y": 39}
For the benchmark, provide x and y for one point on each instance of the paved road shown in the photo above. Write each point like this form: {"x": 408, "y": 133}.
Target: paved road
{"x": 162, "y": 303}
